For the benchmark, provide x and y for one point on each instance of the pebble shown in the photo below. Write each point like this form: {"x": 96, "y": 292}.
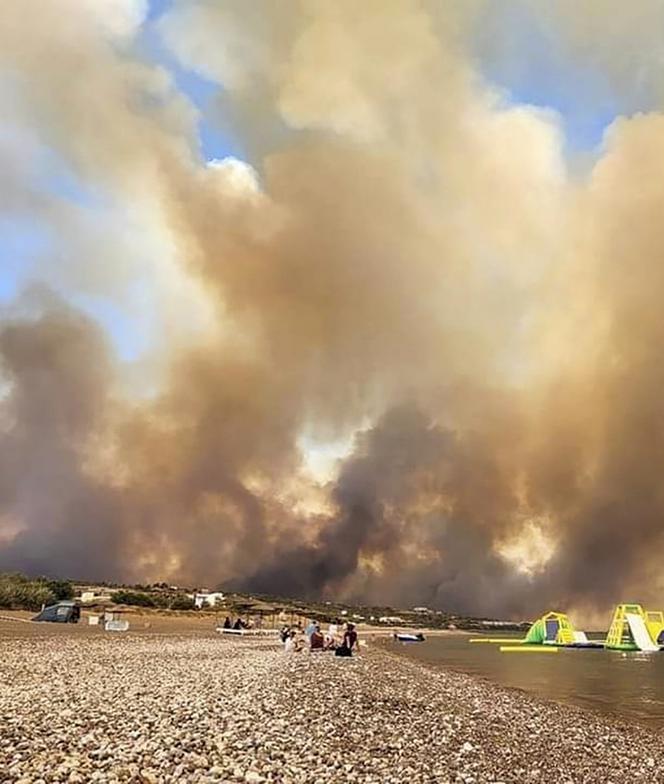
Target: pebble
{"x": 162, "y": 709}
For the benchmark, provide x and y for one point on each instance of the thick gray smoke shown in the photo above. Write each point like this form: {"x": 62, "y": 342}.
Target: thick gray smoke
{"x": 418, "y": 508}
{"x": 407, "y": 270}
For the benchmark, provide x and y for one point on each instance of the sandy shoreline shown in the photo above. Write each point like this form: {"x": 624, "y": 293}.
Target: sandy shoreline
{"x": 15, "y": 622}
{"x": 199, "y": 708}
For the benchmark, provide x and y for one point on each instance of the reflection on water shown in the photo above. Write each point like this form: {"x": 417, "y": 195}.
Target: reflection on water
{"x": 628, "y": 685}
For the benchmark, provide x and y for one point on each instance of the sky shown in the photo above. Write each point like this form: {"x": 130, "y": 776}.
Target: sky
{"x": 543, "y": 79}
{"x": 352, "y": 293}
{"x": 24, "y": 240}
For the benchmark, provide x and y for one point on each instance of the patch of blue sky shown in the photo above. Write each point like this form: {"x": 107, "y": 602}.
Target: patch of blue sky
{"x": 59, "y": 178}
{"x": 25, "y": 243}
{"x": 22, "y": 242}
{"x": 157, "y": 8}
{"x": 518, "y": 53}
{"x": 522, "y": 56}
{"x": 214, "y": 141}
{"x": 583, "y": 128}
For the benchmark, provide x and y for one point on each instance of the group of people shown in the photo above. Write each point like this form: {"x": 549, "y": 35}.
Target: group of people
{"x": 343, "y": 643}
{"x": 239, "y": 624}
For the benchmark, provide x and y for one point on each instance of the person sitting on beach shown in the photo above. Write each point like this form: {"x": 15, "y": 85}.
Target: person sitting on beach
{"x": 239, "y": 624}
{"x": 330, "y": 642}
{"x": 350, "y": 638}
{"x": 317, "y": 641}
{"x": 294, "y": 642}
{"x": 310, "y": 629}
{"x": 290, "y": 645}
{"x": 332, "y": 635}
{"x": 284, "y": 633}
{"x": 350, "y": 642}
{"x": 227, "y": 623}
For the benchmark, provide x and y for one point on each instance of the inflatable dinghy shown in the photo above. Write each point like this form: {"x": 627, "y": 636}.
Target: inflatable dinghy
{"x": 403, "y": 637}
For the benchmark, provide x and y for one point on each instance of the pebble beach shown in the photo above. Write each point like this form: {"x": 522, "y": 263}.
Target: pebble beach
{"x": 166, "y": 708}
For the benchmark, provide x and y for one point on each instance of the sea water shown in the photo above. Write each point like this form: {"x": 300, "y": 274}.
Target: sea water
{"x": 625, "y": 685}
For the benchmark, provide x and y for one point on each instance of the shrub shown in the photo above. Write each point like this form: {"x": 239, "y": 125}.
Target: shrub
{"x": 18, "y": 592}
{"x": 182, "y": 602}
{"x": 135, "y": 598}
{"x": 61, "y": 589}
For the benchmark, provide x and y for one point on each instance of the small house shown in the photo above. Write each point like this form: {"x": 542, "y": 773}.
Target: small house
{"x": 208, "y": 599}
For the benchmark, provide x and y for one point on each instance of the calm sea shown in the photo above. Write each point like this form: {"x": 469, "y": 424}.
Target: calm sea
{"x": 627, "y": 685}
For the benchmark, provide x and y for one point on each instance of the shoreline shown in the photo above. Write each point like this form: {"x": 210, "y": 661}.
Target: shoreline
{"x": 606, "y": 716}
{"x": 158, "y": 710}
{"x": 607, "y": 711}
{"x": 204, "y": 620}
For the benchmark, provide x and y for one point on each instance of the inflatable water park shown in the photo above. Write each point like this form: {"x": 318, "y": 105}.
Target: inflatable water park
{"x": 632, "y": 629}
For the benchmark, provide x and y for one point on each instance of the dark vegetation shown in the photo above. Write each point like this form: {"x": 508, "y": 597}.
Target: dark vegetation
{"x": 18, "y": 592}
{"x": 163, "y": 600}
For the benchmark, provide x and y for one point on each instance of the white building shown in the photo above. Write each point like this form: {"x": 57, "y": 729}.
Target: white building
{"x": 95, "y": 595}
{"x": 207, "y": 598}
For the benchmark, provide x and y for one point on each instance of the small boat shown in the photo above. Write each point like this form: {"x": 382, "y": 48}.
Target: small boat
{"x": 404, "y": 637}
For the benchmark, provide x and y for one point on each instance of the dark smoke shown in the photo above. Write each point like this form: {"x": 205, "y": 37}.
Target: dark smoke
{"x": 426, "y": 505}
{"x": 58, "y": 373}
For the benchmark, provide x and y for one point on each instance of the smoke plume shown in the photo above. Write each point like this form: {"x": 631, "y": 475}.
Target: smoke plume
{"x": 404, "y": 268}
